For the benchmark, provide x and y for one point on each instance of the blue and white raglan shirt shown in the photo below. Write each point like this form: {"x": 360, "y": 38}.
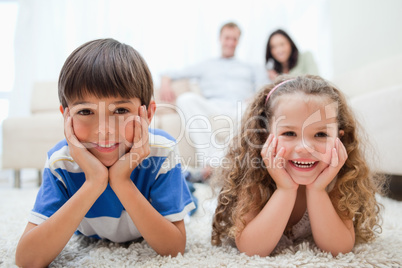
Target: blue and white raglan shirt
{"x": 159, "y": 178}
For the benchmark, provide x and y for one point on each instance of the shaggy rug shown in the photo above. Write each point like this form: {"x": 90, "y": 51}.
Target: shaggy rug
{"x": 15, "y": 204}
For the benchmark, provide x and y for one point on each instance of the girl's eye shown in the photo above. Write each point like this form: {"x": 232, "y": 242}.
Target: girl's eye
{"x": 84, "y": 112}
{"x": 289, "y": 134}
{"x": 121, "y": 111}
{"x": 321, "y": 135}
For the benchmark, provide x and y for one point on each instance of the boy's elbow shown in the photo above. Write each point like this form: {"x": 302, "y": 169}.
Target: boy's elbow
{"x": 22, "y": 259}
{"x": 22, "y": 262}
{"x": 173, "y": 249}
{"x": 173, "y": 252}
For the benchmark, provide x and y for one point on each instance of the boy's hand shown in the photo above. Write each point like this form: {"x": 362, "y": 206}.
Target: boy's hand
{"x": 338, "y": 159}
{"x": 122, "y": 169}
{"x": 95, "y": 171}
{"x": 275, "y": 164}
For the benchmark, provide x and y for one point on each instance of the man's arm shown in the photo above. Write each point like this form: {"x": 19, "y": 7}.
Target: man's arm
{"x": 166, "y": 91}
{"x": 191, "y": 72}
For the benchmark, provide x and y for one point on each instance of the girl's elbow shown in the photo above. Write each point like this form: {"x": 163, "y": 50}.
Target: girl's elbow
{"x": 340, "y": 250}
{"x": 251, "y": 250}
{"x": 335, "y": 253}
{"x": 252, "y": 253}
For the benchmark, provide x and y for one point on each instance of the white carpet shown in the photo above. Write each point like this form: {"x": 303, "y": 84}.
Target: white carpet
{"x": 15, "y": 204}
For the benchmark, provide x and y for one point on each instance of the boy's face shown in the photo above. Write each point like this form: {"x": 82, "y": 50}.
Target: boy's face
{"x": 105, "y": 126}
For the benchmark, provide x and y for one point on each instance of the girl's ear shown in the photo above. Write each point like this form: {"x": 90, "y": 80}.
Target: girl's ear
{"x": 61, "y": 109}
{"x": 151, "y": 110}
{"x": 341, "y": 133}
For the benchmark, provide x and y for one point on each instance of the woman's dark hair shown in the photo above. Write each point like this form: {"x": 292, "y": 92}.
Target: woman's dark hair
{"x": 294, "y": 55}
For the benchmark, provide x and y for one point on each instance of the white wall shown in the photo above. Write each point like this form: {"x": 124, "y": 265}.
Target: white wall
{"x": 364, "y": 31}
{"x": 170, "y": 35}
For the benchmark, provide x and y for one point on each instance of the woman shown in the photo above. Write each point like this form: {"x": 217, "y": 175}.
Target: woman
{"x": 283, "y": 57}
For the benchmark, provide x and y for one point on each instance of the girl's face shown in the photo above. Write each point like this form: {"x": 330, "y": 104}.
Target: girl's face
{"x": 306, "y": 127}
{"x": 280, "y": 48}
{"x": 105, "y": 126}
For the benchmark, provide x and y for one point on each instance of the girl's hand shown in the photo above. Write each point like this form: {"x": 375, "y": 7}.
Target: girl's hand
{"x": 122, "y": 169}
{"x": 275, "y": 164}
{"x": 338, "y": 159}
{"x": 95, "y": 171}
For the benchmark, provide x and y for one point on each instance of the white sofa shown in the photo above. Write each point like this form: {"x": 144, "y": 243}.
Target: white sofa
{"x": 26, "y": 140}
{"x": 379, "y": 112}
{"x": 375, "y": 96}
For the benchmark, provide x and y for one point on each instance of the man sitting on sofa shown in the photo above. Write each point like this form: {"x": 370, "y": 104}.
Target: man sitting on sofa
{"x": 225, "y": 84}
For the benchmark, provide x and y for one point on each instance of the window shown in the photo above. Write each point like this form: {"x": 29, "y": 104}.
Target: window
{"x": 8, "y": 22}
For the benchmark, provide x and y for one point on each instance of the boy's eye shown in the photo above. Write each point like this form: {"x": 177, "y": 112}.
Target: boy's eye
{"x": 321, "y": 135}
{"x": 289, "y": 134}
{"x": 121, "y": 111}
{"x": 84, "y": 112}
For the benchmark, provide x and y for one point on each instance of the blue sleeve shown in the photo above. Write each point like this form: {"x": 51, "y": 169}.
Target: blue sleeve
{"x": 170, "y": 195}
{"x": 52, "y": 195}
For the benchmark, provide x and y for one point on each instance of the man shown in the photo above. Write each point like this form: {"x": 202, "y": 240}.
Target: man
{"x": 225, "y": 83}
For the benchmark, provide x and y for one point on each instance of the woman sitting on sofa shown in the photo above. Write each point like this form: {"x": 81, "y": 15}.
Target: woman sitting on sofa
{"x": 283, "y": 57}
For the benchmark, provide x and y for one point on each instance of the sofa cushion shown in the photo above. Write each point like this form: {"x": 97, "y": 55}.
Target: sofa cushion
{"x": 26, "y": 140}
{"x": 380, "y": 113}
{"x": 371, "y": 77}
{"x": 45, "y": 97}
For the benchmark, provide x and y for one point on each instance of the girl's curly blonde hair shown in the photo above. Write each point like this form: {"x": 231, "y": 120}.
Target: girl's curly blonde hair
{"x": 355, "y": 186}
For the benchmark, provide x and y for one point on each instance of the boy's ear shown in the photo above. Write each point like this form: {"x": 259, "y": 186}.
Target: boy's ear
{"x": 151, "y": 110}
{"x": 341, "y": 133}
{"x": 61, "y": 109}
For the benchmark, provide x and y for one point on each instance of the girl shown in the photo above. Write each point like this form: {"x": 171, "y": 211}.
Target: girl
{"x": 297, "y": 168}
{"x": 283, "y": 57}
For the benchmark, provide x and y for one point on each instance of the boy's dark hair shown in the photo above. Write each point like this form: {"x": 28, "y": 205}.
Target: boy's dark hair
{"x": 105, "y": 68}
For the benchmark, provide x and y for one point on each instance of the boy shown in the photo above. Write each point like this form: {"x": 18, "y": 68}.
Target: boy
{"x": 112, "y": 177}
